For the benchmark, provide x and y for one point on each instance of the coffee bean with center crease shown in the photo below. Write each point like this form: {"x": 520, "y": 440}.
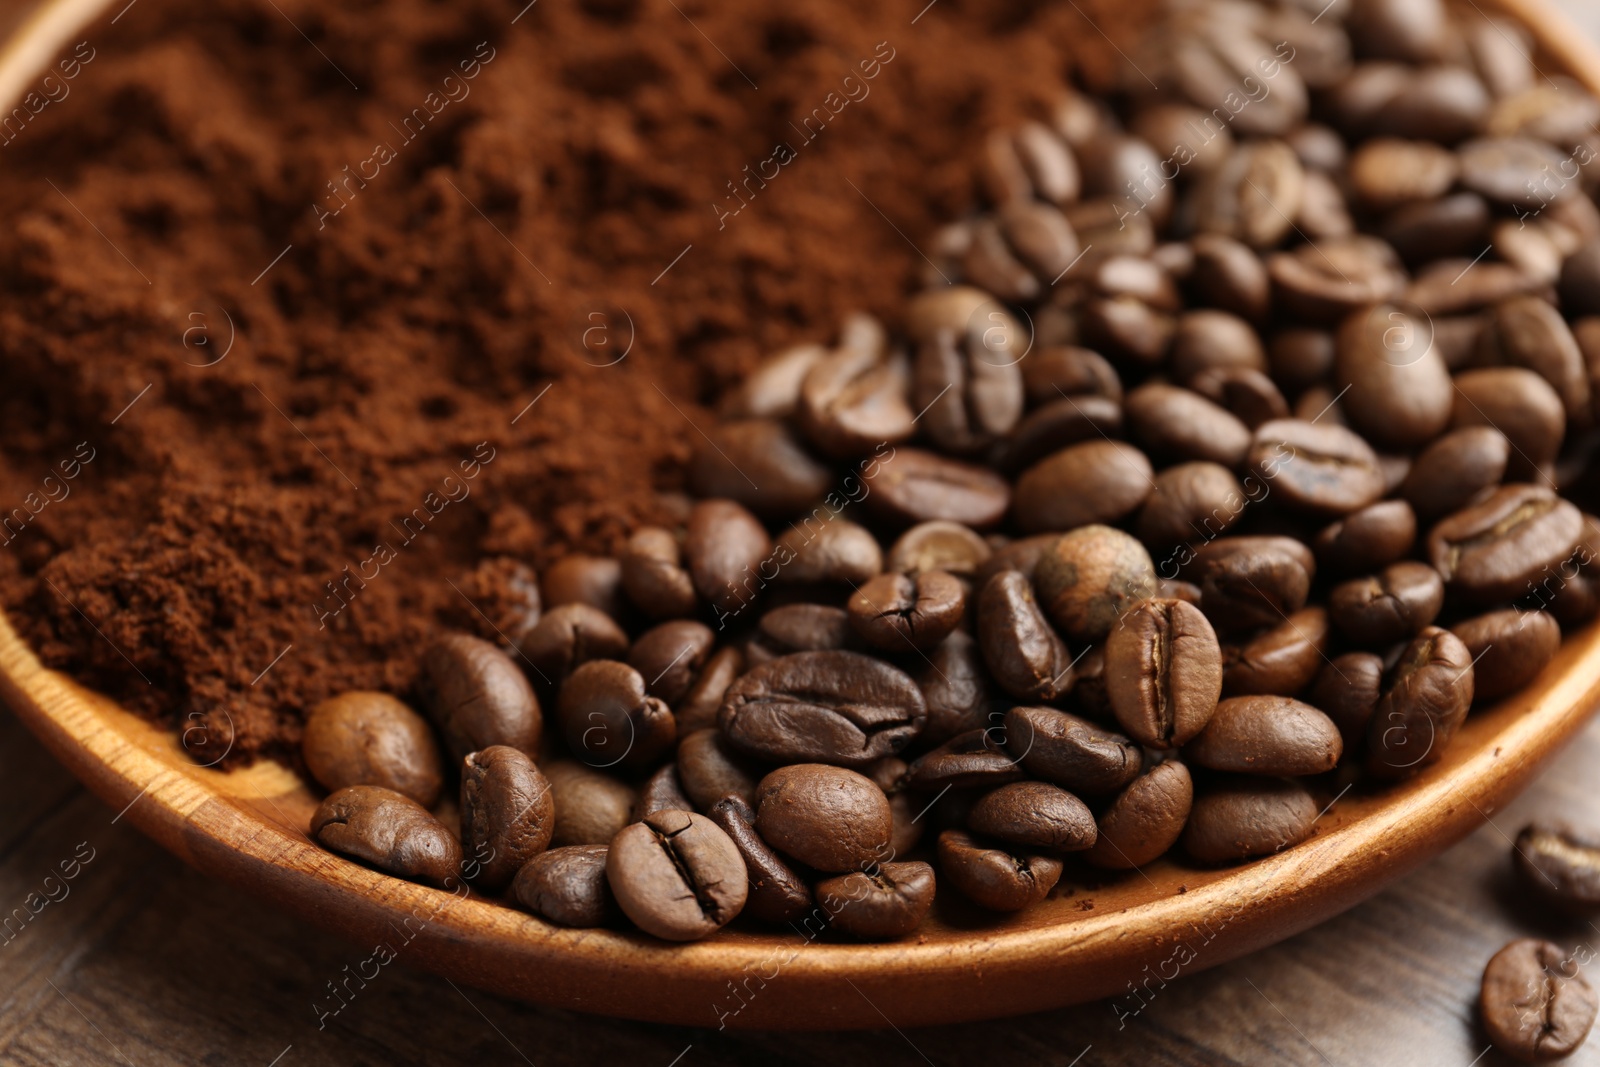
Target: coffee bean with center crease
{"x": 1250, "y": 817}
{"x": 854, "y": 400}
{"x": 1028, "y": 161}
{"x": 725, "y": 547}
{"x": 361, "y": 738}
{"x": 1252, "y": 196}
{"x": 777, "y": 893}
{"x": 1316, "y": 467}
{"x": 939, "y": 546}
{"x": 828, "y": 818}
{"x": 670, "y": 656}
{"x": 1190, "y": 501}
{"x": 823, "y": 707}
{"x": 826, "y": 550}
{"x": 806, "y": 628}
{"x": 975, "y": 758}
{"x": 1454, "y": 469}
{"x": 1145, "y": 820}
{"x": 1269, "y": 735}
{"x": 1425, "y": 701}
{"x": 965, "y": 380}
{"x": 1326, "y": 280}
{"x": 1364, "y": 540}
{"x": 995, "y": 878}
{"x": 1022, "y": 652}
{"x": 568, "y": 886}
{"x": 1535, "y": 1003}
{"x": 677, "y": 875}
{"x": 1512, "y": 171}
{"x": 1280, "y": 661}
{"x": 1390, "y": 606}
{"x": 610, "y": 720}
{"x": 1069, "y": 751}
{"x": 1347, "y": 689}
{"x": 1508, "y": 648}
{"x": 662, "y": 791}
{"x": 1561, "y": 863}
{"x": 1493, "y": 550}
{"x": 1096, "y": 481}
{"x": 570, "y": 635}
{"x": 1089, "y": 577}
{"x": 653, "y": 575}
{"x": 761, "y": 464}
{"x": 902, "y": 612}
{"x": 887, "y": 902}
{"x": 1034, "y": 815}
{"x": 1163, "y": 672}
{"x": 507, "y": 814}
{"x": 1179, "y": 424}
{"x": 1397, "y": 390}
{"x": 698, "y": 709}
{"x": 478, "y": 697}
{"x": 1247, "y": 583}
{"x": 909, "y": 486}
{"x": 388, "y": 831}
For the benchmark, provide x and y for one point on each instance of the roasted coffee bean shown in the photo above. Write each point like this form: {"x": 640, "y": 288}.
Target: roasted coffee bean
{"x": 1508, "y": 648}
{"x": 670, "y": 656}
{"x": 1028, "y": 161}
{"x": 1454, "y": 469}
{"x": 1163, "y": 672}
{"x": 1127, "y": 327}
{"x": 1034, "y": 815}
{"x": 676, "y": 875}
{"x": 1179, "y": 424}
{"x": 1190, "y": 502}
{"x": 1316, "y": 467}
{"x": 761, "y": 464}
{"x": 698, "y": 709}
{"x": 1300, "y": 357}
{"x": 854, "y": 400}
{"x": 363, "y": 738}
{"x": 725, "y": 547}
{"x": 1208, "y": 340}
{"x": 1318, "y": 147}
{"x": 1139, "y": 277}
{"x": 709, "y": 770}
{"x": 827, "y": 707}
{"x": 1096, "y": 481}
{"x": 889, "y": 774}
{"x": 1058, "y": 371}
{"x": 975, "y": 758}
{"x": 1397, "y": 390}
{"x": 570, "y": 635}
{"x": 1248, "y": 394}
{"x": 507, "y": 814}
{"x": 1519, "y": 404}
{"x": 477, "y": 696}
{"x": 1511, "y": 171}
{"x": 1527, "y": 331}
{"x": 1561, "y": 863}
{"x": 1269, "y": 735}
{"x": 1280, "y": 661}
{"x": 1434, "y": 229}
{"x": 1145, "y": 820}
{"x": 1580, "y": 281}
{"x": 591, "y": 806}
{"x": 506, "y": 593}
{"x": 1229, "y": 275}
{"x": 965, "y": 381}
{"x": 995, "y": 878}
{"x": 1022, "y": 652}
{"x": 1173, "y": 131}
{"x": 1330, "y": 278}
{"x": 883, "y": 904}
{"x": 1368, "y": 539}
{"x": 1424, "y": 703}
{"x": 579, "y": 579}
{"x": 1089, "y": 696}
{"x": 901, "y": 612}
{"x": 828, "y": 818}
{"x": 1387, "y": 172}
{"x": 1390, "y": 606}
{"x": 1174, "y": 589}
{"x": 1495, "y": 549}
{"x": 955, "y": 686}
{"x": 1071, "y": 752}
{"x": 1059, "y": 424}
{"x": 661, "y": 792}
{"x": 386, "y": 830}
{"x": 1535, "y": 1003}
{"x": 610, "y": 720}
{"x": 1248, "y": 817}
{"x": 1356, "y": 102}
{"x": 939, "y": 546}
{"x": 1247, "y": 583}
{"x": 568, "y": 886}
{"x": 911, "y": 486}
{"x": 806, "y": 628}
{"x": 1252, "y": 196}
{"x": 653, "y": 574}
{"x": 772, "y": 389}
{"x": 1089, "y": 577}
{"x": 1021, "y": 555}
{"x": 1324, "y": 213}
{"x": 777, "y": 893}
{"x": 824, "y": 550}
{"x": 1446, "y": 287}
{"x": 1347, "y": 689}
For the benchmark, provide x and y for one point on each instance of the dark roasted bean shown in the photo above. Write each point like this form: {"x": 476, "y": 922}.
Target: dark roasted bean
{"x": 761, "y": 464}
{"x": 888, "y": 902}
{"x": 568, "y": 886}
{"x": 1373, "y": 537}
{"x": 975, "y": 758}
{"x": 388, "y": 831}
{"x": 911, "y": 486}
{"x": 1073, "y": 753}
{"x": 777, "y": 893}
{"x": 1145, "y": 819}
{"x": 965, "y": 381}
{"x": 901, "y": 612}
{"x": 1089, "y": 577}
{"x": 709, "y": 770}
{"x": 591, "y": 806}
{"x": 1190, "y": 502}
{"x": 1316, "y": 467}
{"x": 1424, "y": 703}
{"x": 570, "y": 635}
{"x": 1247, "y": 583}
{"x": 1034, "y": 815}
{"x": 1508, "y": 648}
{"x": 1347, "y": 690}
{"x": 822, "y": 549}
{"x": 698, "y": 709}
{"x": 477, "y": 696}
{"x": 653, "y": 574}
{"x": 995, "y": 878}
{"x": 854, "y": 400}
{"x": 1022, "y": 652}
{"x": 1280, "y": 661}
{"x": 1178, "y": 424}
{"x": 939, "y": 546}
{"x": 507, "y": 814}
{"x": 1397, "y": 392}
{"x": 725, "y": 547}
{"x": 1247, "y": 818}
{"x": 955, "y": 686}
{"x": 1163, "y": 672}
{"x": 1454, "y": 469}
{"x": 1535, "y": 1003}
{"x": 1270, "y": 735}
{"x": 1096, "y": 481}
{"x": 661, "y": 792}
{"x": 1390, "y": 606}
{"x": 1493, "y": 550}
{"x": 676, "y": 875}
{"x": 670, "y": 656}
{"x": 1561, "y": 863}
{"x": 361, "y": 738}
{"x": 828, "y": 818}
{"x": 610, "y": 720}
{"x": 578, "y": 579}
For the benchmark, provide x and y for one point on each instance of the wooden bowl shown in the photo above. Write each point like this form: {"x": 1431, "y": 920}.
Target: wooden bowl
{"x": 1087, "y": 941}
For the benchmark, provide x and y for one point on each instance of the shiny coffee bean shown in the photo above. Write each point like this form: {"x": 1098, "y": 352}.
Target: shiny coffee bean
{"x": 1269, "y": 735}
{"x": 1179, "y": 425}
{"x": 1387, "y": 172}
{"x": 709, "y": 770}
{"x": 1024, "y": 655}
{"x": 760, "y": 463}
{"x": 824, "y": 551}
{"x": 362, "y": 738}
{"x": 610, "y": 720}
{"x": 939, "y": 546}
{"x": 670, "y": 656}
{"x": 1189, "y": 502}
{"x": 828, "y": 818}
{"x": 1248, "y": 394}
{"x": 1074, "y": 753}
{"x": 1029, "y": 161}
{"x": 909, "y": 486}
{"x": 1229, "y": 275}
{"x": 591, "y": 806}
{"x": 1368, "y": 539}
{"x": 903, "y": 612}
{"x": 390, "y": 832}
{"x": 1454, "y": 469}
{"x": 1316, "y": 467}
{"x": 883, "y": 904}
{"x": 1433, "y": 229}
{"x": 1247, "y": 818}
{"x": 725, "y": 546}
{"x": 1247, "y": 583}
{"x": 698, "y": 709}
{"x": 955, "y": 686}
{"x": 995, "y": 878}
{"x": 965, "y": 380}
{"x": 1527, "y": 331}
{"x": 579, "y": 579}
{"x": 662, "y": 791}
{"x": 806, "y": 628}
{"x": 1325, "y": 281}
{"x": 1493, "y": 550}
{"x": 772, "y": 389}
{"x": 1021, "y": 555}
{"x": 1347, "y": 690}
{"x": 1425, "y": 700}
{"x": 1163, "y": 672}
{"x": 1398, "y": 392}
{"x": 676, "y": 875}
{"x": 1511, "y": 171}
{"x": 1560, "y": 863}
{"x": 1096, "y": 481}
{"x": 853, "y": 400}
{"x": 1299, "y": 357}
{"x": 1509, "y": 648}
{"x": 569, "y": 635}
{"x": 1089, "y": 577}
{"x": 653, "y": 575}
{"x": 1213, "y": 340}
{"x": 1058, "y": 371}
{"x": 1145, "y": 820}
{"x": 1034, "y": 815}
{"x": 568, "y": 887}
{"x": 889, "y": 774}
{"x": 1519, "y": 404}
{"x": 507, "y": 814}
{"x": 1280, "y": 661}
{"x": 477, "y": 696}
{"x": 1056, "y": 425}
{"x": 777, "y": 893}
{"x": 1390, "y": 606}
{"x": 1535, "y": 1003}
{"x": 975, "y": 758}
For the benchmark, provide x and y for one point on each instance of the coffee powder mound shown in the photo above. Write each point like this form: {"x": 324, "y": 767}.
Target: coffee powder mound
{"x": 306, "y": 311}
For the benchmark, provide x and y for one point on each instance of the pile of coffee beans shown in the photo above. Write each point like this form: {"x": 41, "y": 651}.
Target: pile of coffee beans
{"x": 1228, "y": 460}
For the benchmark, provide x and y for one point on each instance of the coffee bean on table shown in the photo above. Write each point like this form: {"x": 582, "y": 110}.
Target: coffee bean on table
{"x": 825, "y": 552}
{"x": 1145, "y": 820}
{"x": 1034, "y": 815}
{"x": 1180, "y": 425}
{"x": 1096, "y": 481}
{"x": 1088, "y": 578}
{"x": 364, "y": 738}
{"x": 725, "y": 547}
{"x": 669, "y": 657}
{"x": 590, "y": 806}
{"x": 709, "y": 770}
{"x": 1022, "y": 652}
{"x": 909, "y": 486}
{"x": 995, "y": 878}
{"x": 1269, "y": 735}
{"x": 653, "y": 574}
{"x": 939, "y": 546}
{"x": 777, "y": 893}
{"x": 806, "y": 628}
{"x": 904, "y": 612}
{"x": 831, "y": 707}
{"x": 676, "y": 875}
{"x": 1069, "y": 751}
{"x": 1561, "y": 863}
{"x": 827, "y": 818}
{"x": 760, "y": 463}
{"x": 1248, "y": 817}
{"x": 580, "y": 579}
{"x": 569, "y": 635}
{"x": 955, "y": 686}
{"x": 698, "y": 709}
{"x": 1535, "y": 1003}
{"x": 1368, "y": 539}
{"x": 568, "y": 886}
{"x": 1247, "y": 583}
{"x": 1347, "y": 690}
{"x": 975, "y": 758}
{"x": 507, "y": 814}
{"x": 386, "y": 830}
{"x": 1425, "y": 700}
{"x": 609, "y": 719}
{"x": 1454, "y": 469}
{"x": 1163, "y": 672}
{"x": 1493, "y": 550}
{"x": 1316, "y": 467}
{"x": 1390, "y": 606}
{"x": 887, "y": 902}
{"x": 478, "y": 697}
{"x": 1509, "y": 648}
{"x": 1280, "y": 661}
